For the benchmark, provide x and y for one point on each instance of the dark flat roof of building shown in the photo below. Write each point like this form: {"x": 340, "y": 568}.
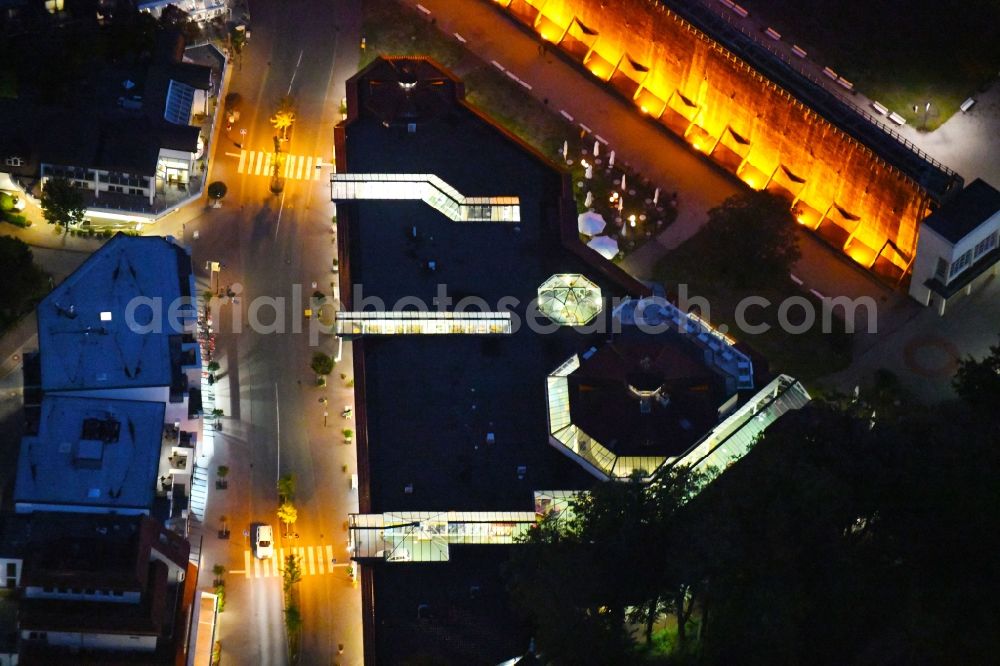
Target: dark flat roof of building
{"x": 453, "y": 613}
{"x": 430, "y": 402}
{"x": 92, "y": 452}
{"x": 978, "y": 202}
{"x": 603, "y": 405}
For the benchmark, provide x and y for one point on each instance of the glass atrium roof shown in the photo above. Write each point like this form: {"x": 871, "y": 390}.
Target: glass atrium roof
{"x": 569, "y": 299}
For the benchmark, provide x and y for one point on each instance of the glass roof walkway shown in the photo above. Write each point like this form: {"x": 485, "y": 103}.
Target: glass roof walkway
{"x": 713, "y": 453}
{"x": 423, "y": 323}
{"x": 428, "y": 188}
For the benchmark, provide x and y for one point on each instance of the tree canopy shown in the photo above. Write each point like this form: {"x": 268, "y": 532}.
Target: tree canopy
{"x": 754, "y": 238}
{"x": 24, "y": 282}
{"x": 286, "y": 486}
{"x": 978, "y": 381}
{"x": 322, "y": 364}
{"x": 62, "y": 203}
{"x": 856, "y": 531}
{"x": 217, "y": 190}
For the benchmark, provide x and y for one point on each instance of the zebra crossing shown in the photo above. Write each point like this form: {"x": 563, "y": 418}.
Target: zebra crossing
{"x": 295, "y": 167}
{"x": 313, "y": 561}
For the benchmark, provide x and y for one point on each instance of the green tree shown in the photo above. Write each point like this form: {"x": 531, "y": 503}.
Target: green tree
{"x": 553, "y": 580}
{"x": 978, "y": 381}
{"x": 23, "y": 284}
{"x": 754, "y": 239}
{"x": 284, "y": 116}
{"x": 293, "y": 619}
{"x": 175, "y": 18}
{"x": 238, "y": 39}
{"x": 7, "y": 202}
{"x": 288, "y": 514}
{"x": 621, "y": 548}
{"x": 291, "y": 573}
{"x": 217, "y": 190}
{"x": 62, "y": 203}
{"x": 286, "y": 486}
{"x": 322, "y": 364}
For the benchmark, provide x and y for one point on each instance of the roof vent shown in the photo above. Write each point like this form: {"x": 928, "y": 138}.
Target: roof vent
{"x": 89, "y": 454}
{"x": 68, "y": 312}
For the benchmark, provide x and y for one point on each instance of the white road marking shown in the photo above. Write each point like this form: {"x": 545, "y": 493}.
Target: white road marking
{"x": 312, "y": 561}
{"x": 295, "y": 167}
{"x": 294, "y": 73}
{"x": 246, "y": 563}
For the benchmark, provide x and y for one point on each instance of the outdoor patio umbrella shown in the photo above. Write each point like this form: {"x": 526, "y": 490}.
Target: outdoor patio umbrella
{"x": 590, "y": 223}
{"x": 605, "y": 246}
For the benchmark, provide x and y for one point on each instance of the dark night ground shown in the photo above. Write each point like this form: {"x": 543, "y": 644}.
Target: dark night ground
{"x": 899, "y": 52}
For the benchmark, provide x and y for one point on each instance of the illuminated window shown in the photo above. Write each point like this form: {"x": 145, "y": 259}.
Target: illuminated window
{"x": 423, "y": 323}
{"x": 105, "y": 316}
{"x": 569, "y": 299}
{"x": 428, "y": 188}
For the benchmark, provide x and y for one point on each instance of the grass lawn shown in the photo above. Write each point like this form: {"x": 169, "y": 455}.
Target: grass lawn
{"x": 899, "y": 52}
{"x": 395, "y": 29}
{"x": 24, "y": 285}
{"x": 805, "y": 356}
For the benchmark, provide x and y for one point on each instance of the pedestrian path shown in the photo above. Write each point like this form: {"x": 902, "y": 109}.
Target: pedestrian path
{"x": 313, "y": 560}
{"x": 293, "y": 167}
{"x": 199, "y": 492}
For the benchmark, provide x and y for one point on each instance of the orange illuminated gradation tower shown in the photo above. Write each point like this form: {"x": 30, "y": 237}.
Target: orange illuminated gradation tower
{"x": 856, "y": 185}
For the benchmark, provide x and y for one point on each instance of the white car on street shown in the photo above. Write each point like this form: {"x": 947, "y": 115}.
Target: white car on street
{"x": 263, "y": 541}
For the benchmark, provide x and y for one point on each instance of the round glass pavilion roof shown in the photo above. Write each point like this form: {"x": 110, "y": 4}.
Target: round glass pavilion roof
{"x": 569, "y": 299}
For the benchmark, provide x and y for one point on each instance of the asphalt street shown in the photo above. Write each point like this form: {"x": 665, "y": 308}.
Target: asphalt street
{"x": 273, "y": 249}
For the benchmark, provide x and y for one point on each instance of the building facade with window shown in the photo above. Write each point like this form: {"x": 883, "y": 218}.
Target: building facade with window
{"x": 199, "y": 11}
{"x": 117, "y": 344}
{"x": 96, "y": 588}
{"x": 135, "y": 147}
{"x": 959, "y": 247}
